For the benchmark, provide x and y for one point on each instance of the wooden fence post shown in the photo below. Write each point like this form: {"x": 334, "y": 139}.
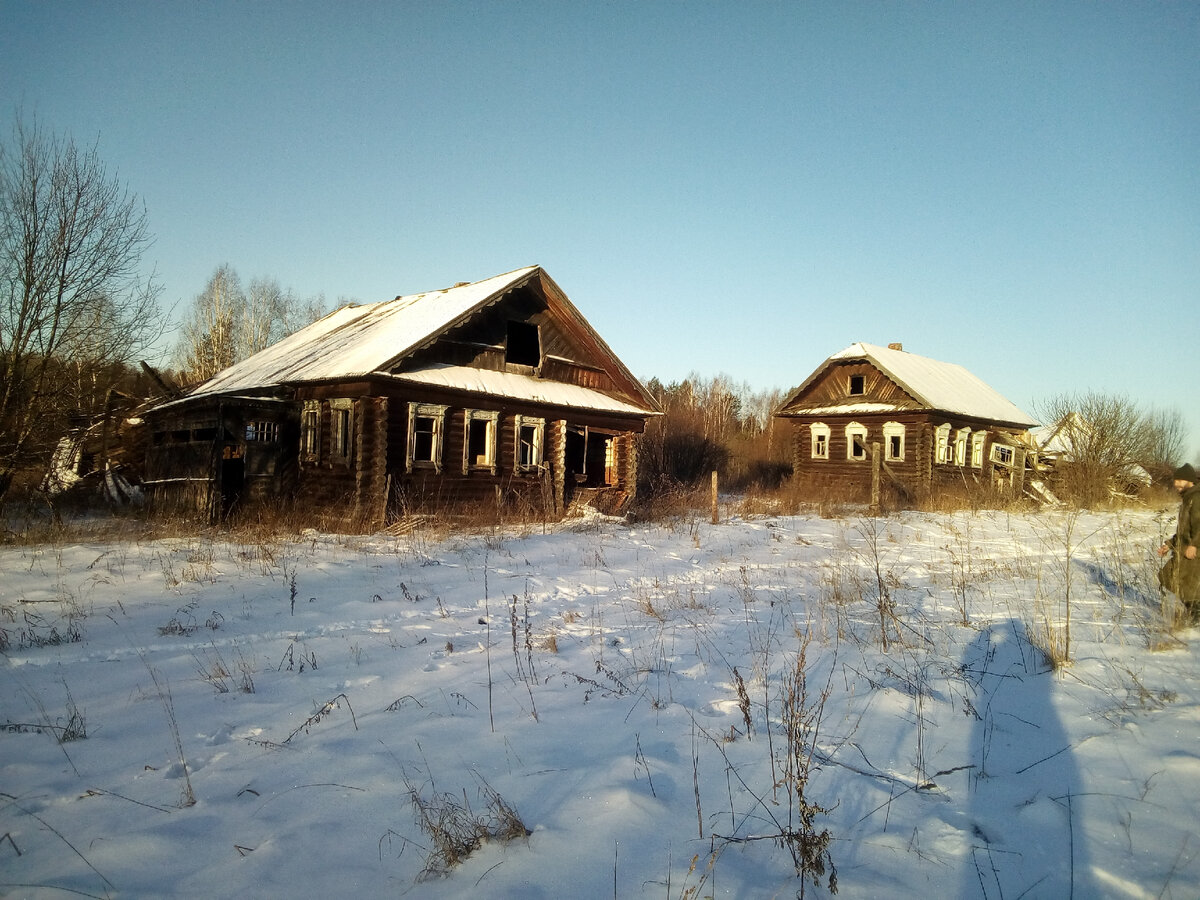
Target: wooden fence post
{"x": 875, "y": 465}
{"x": 715, "y": 514}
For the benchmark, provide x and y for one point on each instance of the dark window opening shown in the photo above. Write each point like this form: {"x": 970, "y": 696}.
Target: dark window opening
{"x": 478, "y": 445}
{"x": 897, "y": 447}
{"x": 524, "y": 348}
{"x": 423, "y": 442}
{"x": 857, "y": 384}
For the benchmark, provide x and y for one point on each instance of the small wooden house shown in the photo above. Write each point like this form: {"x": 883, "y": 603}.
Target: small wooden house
{"x": 496, "y": 393}
{"x": 933, "y": 425}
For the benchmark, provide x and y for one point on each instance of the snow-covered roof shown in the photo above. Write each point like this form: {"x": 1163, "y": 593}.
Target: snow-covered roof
{"x": 933, "y": 384}
{"x": 359, "y": 340}
{"x": 369, "y": 340}
{"x": 517, "y": 387}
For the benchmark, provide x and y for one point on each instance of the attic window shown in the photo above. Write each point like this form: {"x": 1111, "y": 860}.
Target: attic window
{"x": 523, "y": 348}
{"x": 857, "y": 385}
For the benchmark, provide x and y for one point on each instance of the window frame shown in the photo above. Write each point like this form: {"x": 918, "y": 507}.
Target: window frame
{"x": 999, "y": 450}
{"x": 852, "y": 430}
{"x": 538, "y": 425}
{"x": 262, "y": 431}
{"x": 859, "y": 381}
{"x": 491, "y": 420}
{"x": 978, "y": 438}
{"x": 891, "y": 431}
{"x": 818, "y": 431}
{"x": 941, "y": 444}
{"x": 436, "y": 412}
{"x": 341, "y": 430}
{"x": 960, "y": 445}
{"x": 310, "y": 431}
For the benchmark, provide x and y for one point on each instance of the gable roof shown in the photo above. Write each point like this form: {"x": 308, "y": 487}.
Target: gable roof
{"x": 363, "y": 340}
{"x": 934, "y": 385}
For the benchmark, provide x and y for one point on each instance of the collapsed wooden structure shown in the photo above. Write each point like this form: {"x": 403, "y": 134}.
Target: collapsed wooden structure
{"x": 497, "y": 392}
{"x": 934, "y": 427}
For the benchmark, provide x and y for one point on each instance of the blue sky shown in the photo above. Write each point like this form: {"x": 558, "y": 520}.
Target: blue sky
{"x": 739, "y": 188}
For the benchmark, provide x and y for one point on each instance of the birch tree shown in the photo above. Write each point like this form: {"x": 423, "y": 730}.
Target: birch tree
{"x": 227, "y": 323}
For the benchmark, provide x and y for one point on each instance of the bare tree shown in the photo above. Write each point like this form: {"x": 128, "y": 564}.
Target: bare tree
{"x": 1165, "y": 433}
{"x": 1106, "y": 439}
{"x": 72, "y": 293}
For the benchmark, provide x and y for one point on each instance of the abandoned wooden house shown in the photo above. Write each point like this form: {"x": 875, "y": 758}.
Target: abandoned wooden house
{"x": 932, "y": 427}
{"x": 495, "y": 393}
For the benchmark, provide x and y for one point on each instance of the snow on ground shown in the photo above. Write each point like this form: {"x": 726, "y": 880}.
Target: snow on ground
{"x": 621, "y": 689}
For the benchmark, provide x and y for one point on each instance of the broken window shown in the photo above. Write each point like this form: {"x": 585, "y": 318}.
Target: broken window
{"x": 529, "y": 434}
{"x": 857, "y": 385}
{"x": 820, "y": 440}
{"x": 1002, "y": 454}
{"x": 425, "y": 422}
{"x": 893, "y": 441}
{"x": 479, "y": 440}
{"x": 524, "y": 346}
{"x": 856, "y": 441}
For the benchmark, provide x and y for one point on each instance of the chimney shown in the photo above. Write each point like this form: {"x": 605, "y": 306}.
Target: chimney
{"x": 896, "y": 346}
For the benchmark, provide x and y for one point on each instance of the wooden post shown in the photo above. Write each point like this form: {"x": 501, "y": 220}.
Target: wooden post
{"x": 715, "y": 514}
{"x": 876, "y": 461}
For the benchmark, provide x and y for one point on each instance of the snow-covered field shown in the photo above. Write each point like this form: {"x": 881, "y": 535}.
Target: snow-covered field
{"x": 257, "y": 718}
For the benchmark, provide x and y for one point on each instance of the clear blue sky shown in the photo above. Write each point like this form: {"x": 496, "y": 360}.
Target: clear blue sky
{"x": 720, "y": 187}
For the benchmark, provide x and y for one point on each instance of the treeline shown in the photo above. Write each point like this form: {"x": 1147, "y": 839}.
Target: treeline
{"x": 713, "y": 425}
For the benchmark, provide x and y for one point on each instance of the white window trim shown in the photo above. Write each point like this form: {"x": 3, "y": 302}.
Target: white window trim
{"x": 852, "y": 430}
{"x": 891, "y": 430}
{"x": 941, "y": 443}
{"x": 998, "y": 451}
{"x": 960, "y": 446}
{"x": 977, "y": 440}
{"x": 438, "y": 414}
{"x": 539, "y": 442}
{"x": 492, "y": 417}
{"x": 818, "y": 429}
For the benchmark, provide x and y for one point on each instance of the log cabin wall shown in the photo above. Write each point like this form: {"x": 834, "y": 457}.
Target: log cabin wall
{"x": 380, "y": 464}
{"x": 215, "y": 456}
{"x": 920, "y": 471}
